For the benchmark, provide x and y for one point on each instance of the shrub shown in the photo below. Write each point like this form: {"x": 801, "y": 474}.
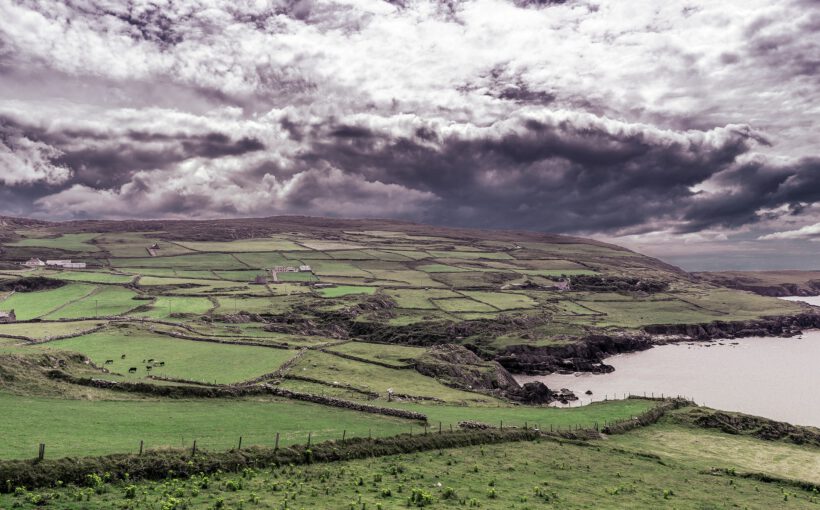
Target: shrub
{"x": 448, "y": 493}
{"x": 420, "y": 498}
{"x": 131, "y": 492}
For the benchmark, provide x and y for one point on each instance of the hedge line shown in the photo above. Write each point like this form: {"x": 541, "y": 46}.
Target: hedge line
{"x": 157, "y": 465}
{"x": 646, "y": 418}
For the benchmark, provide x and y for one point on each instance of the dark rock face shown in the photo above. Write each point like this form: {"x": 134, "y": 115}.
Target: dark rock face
{"x": 460, "y": 367}
{"x": 583, "y": 356}
{"x": 534, "y": 393}
{"x": 771, "y": 326}
{"x": 31, "y": 284}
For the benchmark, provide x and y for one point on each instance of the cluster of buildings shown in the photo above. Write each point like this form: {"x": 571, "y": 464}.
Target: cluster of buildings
{"x": 291, "y": 269}
{"x": 64, "y": 264}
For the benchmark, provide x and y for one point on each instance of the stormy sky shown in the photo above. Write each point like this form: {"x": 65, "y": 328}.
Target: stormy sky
{"x": 684, "y": 129}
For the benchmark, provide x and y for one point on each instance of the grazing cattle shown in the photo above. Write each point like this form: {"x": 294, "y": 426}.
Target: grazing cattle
{"x": 151, "y": 360}
{"x": 132, "y": 370}
{"x": 122, "y": 357}
{"x": 148, "y": 367}
{"x": 109, "y": 361}
{"x": 161, "y": 363}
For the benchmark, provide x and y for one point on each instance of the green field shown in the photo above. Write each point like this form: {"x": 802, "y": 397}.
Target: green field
{"x": 520, "y": 475}
{"x": 399, "y": 355}
{"x": 105, "y": 426}
{"x": 185, "y": 359}
{"x": 67, "y": 242}
{"x": 378, "y": 379}
{"x": 103, "y": 301}
{"x": 43, "y": 330}
{"x": 164, "y": 307}
{"x": 244, "y": 246}
{"x": 30, "y": 305}
{"x": 345, "y": 290}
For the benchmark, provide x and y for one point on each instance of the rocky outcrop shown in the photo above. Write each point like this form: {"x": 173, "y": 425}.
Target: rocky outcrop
{"x": 788, "y": 325}
{"x": 457, "y": 366}
{"x": 585, "y": 355}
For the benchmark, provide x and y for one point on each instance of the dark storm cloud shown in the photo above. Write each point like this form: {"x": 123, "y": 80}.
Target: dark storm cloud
{"x": 563, "y": 175}
{"x": 753, "y": 189}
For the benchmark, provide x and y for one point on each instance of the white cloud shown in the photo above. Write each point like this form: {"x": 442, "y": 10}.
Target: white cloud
{"x": 806, "y": 232}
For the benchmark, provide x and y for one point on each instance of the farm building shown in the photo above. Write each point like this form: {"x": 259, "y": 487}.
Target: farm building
{"x": 74, "y": 265}
{"x": 58, "y": 263}
{"x": 34, "y": 262}
{"x": 285, "y": 269}
{"x": 305, "y": 269}
{"x": 7, "y": 317}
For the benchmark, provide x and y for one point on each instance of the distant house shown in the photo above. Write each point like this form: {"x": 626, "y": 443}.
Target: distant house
{"x": 305, "y": 269}
{"x": 34, "y": 262}
{"x": 74, "y": 265}
{"x": 563, "y": 285}
{"x": 7, "y": 317}
{"x": 58, "y": 263}
{"x": 291, "y": 269}
{"x": 279, "y": 269}
{"x": 154, "y": 246}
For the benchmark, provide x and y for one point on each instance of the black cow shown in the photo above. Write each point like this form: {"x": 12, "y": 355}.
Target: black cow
{"x": 122, "y": 357}
{"x": 109, "y": 361}
{"x": 132, "y": 370}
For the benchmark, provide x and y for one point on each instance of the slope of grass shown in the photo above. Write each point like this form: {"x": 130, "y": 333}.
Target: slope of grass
{"x": 67, "y": 242}
{"x": 104, "y": 426}
{"x": 30, "y": 305}
{"x": 166, "y": 306}
{"x": 105, "y": 301}
{"x": 186, "y": 359}
{"x": 345, "y": 290}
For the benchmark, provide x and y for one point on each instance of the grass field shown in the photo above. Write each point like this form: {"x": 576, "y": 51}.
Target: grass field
{"x": 166, "y": 306}
{"x": 521, "y": 475}
{"x": 103, "y": 426}
{"x": 703, "y": 449}
{"x": 345, "y": 290}
{"x": 67, "y": 242}
{"x": 103, "y": 301}
{"x": 186, "y": 359}
{"x": 30, "y": 305}
{"x": 244, "y": 246}
{"x": 398, "y": 355}
{"x": 44, "y": 330}
{"x": 502, "y": 300}
{"x": 365, "y": 376}
{"x": 206, "y": 261}
{"x": 463, "y": 305}
{"x": 89, "y": 276}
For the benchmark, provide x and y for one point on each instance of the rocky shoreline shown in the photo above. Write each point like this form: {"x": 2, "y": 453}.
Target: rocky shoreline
{"x": 587, "y": 355}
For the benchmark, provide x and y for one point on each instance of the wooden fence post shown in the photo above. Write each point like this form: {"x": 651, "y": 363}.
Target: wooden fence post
{"x": 439, "y": 427}
{"x": 309, "y": 434}
{"x": 369, "y": 433}
{"x": 276, "y": 445}
{"x": 240, "y": 443}
{"x": 344, "y": 433}
{"x": 41, "y": 454}
{"x": 193, "y": 448}
{"x": 141, "y": 443}
{"x": 501, "y": 425}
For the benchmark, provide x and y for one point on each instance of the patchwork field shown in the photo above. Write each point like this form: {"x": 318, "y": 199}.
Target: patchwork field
{"x": 167, "y": 333}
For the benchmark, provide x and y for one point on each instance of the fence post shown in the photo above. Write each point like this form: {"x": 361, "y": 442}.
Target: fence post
{"x": 344, "y": 433}
{"x": 193, "y": 448}
{"x": 501, "y": 426}
{"x": 240, "y": 443}
{"x": 309, "y": 433}
{"x": 369, "y": 433}
{"x": 439, "y": 427}
{"x": 451, "y": 427}
{"x": 525, "y": 425}
{"x": 41, "y": 453}
{"x": 141, "y": 443}
{"x": 276, "y": 446}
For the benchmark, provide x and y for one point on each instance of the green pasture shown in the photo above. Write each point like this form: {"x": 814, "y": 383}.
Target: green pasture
{"x": 30, "y": 305}
{"x": 204, "y": 261}
{"x": 463, "y": 305}
{"x": 91, "y": 277}
{"x": 398, "y": 355}
{"x": 43, "y": 330}
{"x": 519, "y": 475}
{"x": 378, "y": 379}
{"x": 98, "y": 427}
{"x": 164, "y": 307}
{"x": 345, "y": 290}
{"x": 419, "y": 298}
{"x": 104, "y": 301}
{"x": 502, "y": 300}
{"x": 67, "y": 242}
{"x": 243, "y": 246}
{"x": 185, "y": 359}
